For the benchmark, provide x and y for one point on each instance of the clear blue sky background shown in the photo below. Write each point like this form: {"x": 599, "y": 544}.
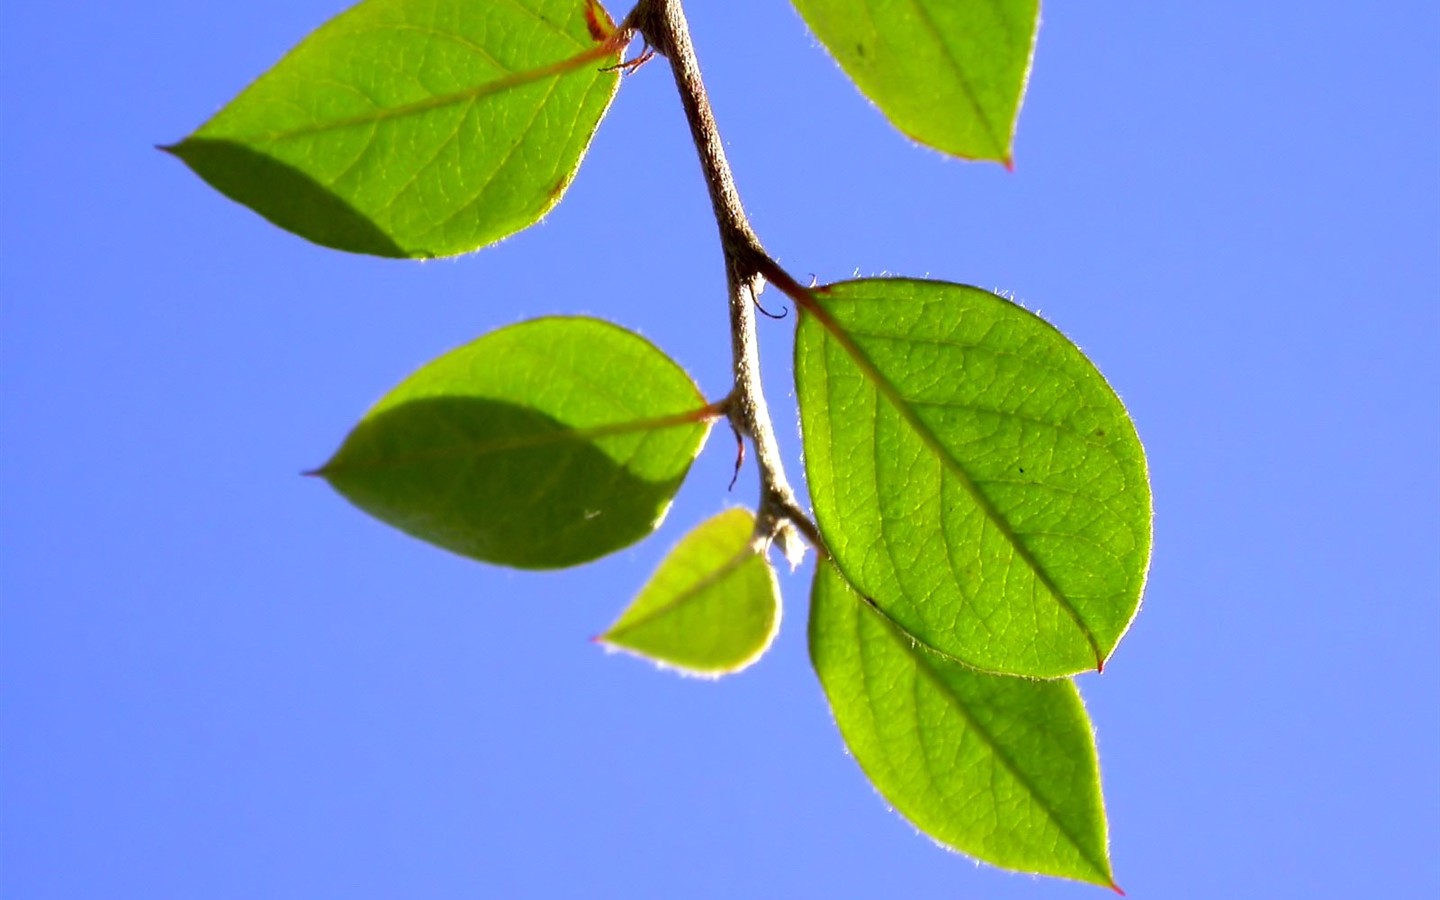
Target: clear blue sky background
{"x": 218, "y": 680}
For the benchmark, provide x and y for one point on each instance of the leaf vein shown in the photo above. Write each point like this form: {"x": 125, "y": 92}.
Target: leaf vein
{"x": 924, "y": 667}
{"x": 961, "y": 77}
{"x": 893, "y": 396}
{"x": 429, "y": 104}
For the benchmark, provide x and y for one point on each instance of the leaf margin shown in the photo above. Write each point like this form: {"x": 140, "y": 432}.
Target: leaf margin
{"x": 810, "y": 305}
{"x": 751, "y": 551}
{"x": 377, "y": 239}
{"x": 928, "y": 666}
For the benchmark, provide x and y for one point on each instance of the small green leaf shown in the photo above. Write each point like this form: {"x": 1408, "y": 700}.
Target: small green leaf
{"x": 948, "y": 74}
{"x": 997, "y": 767}
{"x": 544, "y": 444}
{"x": 972, "y": 473}
{"x": 416, "y": 128}
{"x": 712, "y": 607}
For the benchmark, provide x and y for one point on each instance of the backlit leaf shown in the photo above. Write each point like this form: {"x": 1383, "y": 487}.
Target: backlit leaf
{"x": 711, "y": 608}
{"x": 416, "y": 128}
{"x": 1000, "y": 768}
{"x": 972, "y": 473}
{"x": 948, "y": 73}
{"x": 544, "y": 444}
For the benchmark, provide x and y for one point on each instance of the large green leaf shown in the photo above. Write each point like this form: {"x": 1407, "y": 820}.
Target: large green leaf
{"x": 998, "y": 767}
{"x": 416, "y": 128}
{"x": 948, "y": 73}
{"x": 972, "y": 473}
{"x": 712, "y": 607}
{"x": 544, "y": 444}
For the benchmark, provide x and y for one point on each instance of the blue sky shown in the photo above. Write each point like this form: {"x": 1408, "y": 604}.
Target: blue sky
{"x": 217, "y": 679}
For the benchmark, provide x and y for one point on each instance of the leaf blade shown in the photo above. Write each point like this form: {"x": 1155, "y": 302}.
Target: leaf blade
{"x": 1007, "y": 770}
{"x": 544, "y": 444}
{"x": 973, "y": 473}
{"x": 441, "y": 125}
{"x": 949, "y": 75}
{"x": 711, "y": 608}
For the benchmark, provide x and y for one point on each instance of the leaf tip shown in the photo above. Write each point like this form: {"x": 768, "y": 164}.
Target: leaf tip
{"x": 1009, "y": 163}
{"x": 1116, "y": 888}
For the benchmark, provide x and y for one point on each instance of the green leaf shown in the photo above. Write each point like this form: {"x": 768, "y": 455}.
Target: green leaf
{"x": 544, "y": 444}
{"x": 948, "y": 74}
{"x": 712, "y": 607}
{"x": 416, "y": 128}
{"x": 997, "y": 767}
{"x": 972, "y": 473}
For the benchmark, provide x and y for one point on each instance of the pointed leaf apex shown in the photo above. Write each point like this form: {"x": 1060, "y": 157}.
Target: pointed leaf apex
{"x": 1020, "y": 787}
{"x": 341, "y": 146}
{"x": 950, "y": 75}
{"x": 545, "y": 444}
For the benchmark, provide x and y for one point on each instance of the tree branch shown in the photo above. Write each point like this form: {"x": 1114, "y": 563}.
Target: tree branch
{"x": 662, "y": 24}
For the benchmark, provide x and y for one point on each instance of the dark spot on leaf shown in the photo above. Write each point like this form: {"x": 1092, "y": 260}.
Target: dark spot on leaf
{"x": 1099, "y": 432}
{"x": 555, "y": 192}
{"x": 1022, "y": 470}
{"x": 860, "y": 49}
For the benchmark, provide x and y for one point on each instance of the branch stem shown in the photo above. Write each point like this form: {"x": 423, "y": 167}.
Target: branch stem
{"x": 779, "y": 516}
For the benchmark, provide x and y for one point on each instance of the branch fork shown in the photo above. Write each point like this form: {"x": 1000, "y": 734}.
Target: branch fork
{"x": 779, "y": 516}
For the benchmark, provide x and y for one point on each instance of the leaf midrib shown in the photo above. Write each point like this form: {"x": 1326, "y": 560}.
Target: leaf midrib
{"x": 924, "y": 668}
{"x": 710, "y": 579}
{"x": 429, "y": 104}
{"x": 892, "y": 394}
{"x": 479, "y": 449}
{"x": 961, "y": 78}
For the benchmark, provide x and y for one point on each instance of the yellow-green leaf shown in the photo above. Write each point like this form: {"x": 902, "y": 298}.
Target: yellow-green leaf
{"x": 948, "y": 73}
{"x": 972, "y": 473}
{"x": 1000, "y": 768}
{"x": 712, "y": 607}
{"x": 417, "y": 128}
{"x": 545, "y": 444}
